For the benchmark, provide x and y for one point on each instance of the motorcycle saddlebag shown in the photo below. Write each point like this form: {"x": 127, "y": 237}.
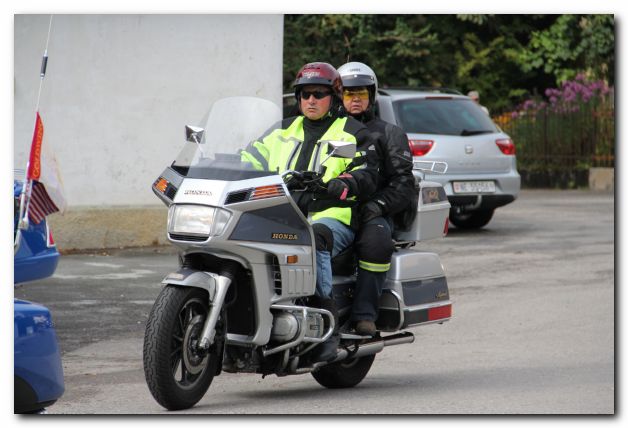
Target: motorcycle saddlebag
{"x": 415, "y": 292}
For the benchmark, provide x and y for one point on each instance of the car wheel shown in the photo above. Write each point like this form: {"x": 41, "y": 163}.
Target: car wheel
{"x": 471, "y": 219}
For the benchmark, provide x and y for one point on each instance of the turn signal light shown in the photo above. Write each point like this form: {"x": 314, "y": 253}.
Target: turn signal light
{"x": 264, "y": 192}
{"x": 506, "y": 146}
{"x": 292, "y": 259}
{"x": 420, "y": 147}
{"x": 161, "y": 184}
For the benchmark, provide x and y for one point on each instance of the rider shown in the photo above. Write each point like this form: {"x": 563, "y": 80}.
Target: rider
{"x": 393, "y": 204}
{"x": 294, "y": 144}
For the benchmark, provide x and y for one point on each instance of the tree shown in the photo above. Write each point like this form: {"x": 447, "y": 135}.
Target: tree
{"x": 507, "y": 58}
{"x": 574, "y": 43}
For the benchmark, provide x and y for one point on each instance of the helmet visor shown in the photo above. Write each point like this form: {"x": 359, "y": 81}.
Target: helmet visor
{"x": 353, "y": 80}
{"x": 348, "y": 94}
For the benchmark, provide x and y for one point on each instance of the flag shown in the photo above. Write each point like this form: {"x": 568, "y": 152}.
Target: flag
{"x": 47, "y": 188}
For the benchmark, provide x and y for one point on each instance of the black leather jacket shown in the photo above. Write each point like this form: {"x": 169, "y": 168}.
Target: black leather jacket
{"x": 397, "y": 190}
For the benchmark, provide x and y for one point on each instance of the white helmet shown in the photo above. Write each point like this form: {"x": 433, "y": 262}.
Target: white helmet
{"x": 355, "y": 74}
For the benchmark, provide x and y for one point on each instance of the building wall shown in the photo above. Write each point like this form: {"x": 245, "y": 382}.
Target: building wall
{"x": 117, "y": 94}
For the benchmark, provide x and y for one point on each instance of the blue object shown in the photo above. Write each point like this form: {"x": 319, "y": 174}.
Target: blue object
{"x": 37, "y": 370}
{"x": 37, "y": 255}
{"x": 343, "y": 237}
{"x": 38, "y": 373}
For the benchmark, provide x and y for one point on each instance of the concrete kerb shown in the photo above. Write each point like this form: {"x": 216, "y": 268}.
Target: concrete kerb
{"x": 94, "y": 229}
{"x": 602, "y": 179}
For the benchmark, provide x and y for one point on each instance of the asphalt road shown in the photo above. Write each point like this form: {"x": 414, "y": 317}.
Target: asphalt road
{"x": 532, "y": 331}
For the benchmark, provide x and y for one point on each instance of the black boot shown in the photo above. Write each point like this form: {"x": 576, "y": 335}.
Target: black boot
{"x": 327, "y": 350}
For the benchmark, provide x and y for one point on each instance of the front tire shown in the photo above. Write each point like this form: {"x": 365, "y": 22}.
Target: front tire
{"x": 344, "y": 374}
{"x": 471, "y": 219}
{"x": 177, "y": 374}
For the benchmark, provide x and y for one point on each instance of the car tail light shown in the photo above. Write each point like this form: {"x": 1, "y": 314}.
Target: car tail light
{"x": 439, "y": 312}
{"x": 51, "y": 241}
{"x": 506, "y": 146}
{"x": 446, "y": 229}
{"x": 420, "y": 147}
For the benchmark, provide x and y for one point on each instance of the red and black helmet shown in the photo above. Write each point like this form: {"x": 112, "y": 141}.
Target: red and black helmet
{"x": 318, "y": 73}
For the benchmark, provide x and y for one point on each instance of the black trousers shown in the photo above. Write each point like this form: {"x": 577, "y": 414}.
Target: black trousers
{"x": 374, "y": 247}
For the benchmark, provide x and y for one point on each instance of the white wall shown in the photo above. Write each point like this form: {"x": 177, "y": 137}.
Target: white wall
{"x": 120, "y": 88}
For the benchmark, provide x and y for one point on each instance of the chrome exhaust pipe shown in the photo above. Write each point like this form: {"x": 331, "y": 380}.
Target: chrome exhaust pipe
{"x": 399, "y": 339}
{"x": 364, "y": 350}
{"x": 376, "y": 346}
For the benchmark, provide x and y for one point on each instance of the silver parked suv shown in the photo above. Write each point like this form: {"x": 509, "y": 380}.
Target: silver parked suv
{"x": 443, "y": 125}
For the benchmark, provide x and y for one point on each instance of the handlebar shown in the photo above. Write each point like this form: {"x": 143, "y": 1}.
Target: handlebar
{"x": 310, "y": 192}
{"x": 304, "y": 181}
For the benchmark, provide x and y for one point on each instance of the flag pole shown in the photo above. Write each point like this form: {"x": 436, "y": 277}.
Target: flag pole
{"x": 27, "y": 187}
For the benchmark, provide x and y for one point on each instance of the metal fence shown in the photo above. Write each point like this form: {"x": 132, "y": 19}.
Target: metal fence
{"x": 575, "y": 138}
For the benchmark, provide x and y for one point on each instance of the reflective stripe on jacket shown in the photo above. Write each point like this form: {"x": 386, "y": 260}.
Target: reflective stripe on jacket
{"x": 279, "y": 148}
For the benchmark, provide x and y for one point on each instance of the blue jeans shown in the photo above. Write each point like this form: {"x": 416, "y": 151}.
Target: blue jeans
{"x": 343, "y": 237}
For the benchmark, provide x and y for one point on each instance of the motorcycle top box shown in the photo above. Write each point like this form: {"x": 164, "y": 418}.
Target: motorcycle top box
{"x": 432, "y": 218}
{"x": 242, "y": 300}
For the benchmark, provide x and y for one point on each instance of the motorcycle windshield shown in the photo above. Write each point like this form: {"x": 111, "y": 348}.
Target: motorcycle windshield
{"x": 229, "y": 126}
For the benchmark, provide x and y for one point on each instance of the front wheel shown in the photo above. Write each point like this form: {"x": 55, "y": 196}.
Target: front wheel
{"x": 471, "y": 219}
{"x": 177, "y": 373}
{"x": 344, "y": 374}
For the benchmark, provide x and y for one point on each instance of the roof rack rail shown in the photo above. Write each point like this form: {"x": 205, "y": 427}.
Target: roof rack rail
{"x": 435, "y": 89}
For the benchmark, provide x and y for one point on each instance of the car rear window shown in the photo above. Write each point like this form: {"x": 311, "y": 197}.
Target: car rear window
{"x": 446, "y": 116}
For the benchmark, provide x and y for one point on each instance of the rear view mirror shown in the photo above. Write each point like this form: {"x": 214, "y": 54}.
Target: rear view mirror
{"x": 342, "y": 149}
{"x": 194, "y": 134}
{"x": 337, "y": 149}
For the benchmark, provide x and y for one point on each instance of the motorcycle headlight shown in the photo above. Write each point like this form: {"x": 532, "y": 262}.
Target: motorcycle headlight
{"x": 197, "y": 220}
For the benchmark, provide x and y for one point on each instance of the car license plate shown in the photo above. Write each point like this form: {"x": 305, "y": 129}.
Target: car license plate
{"x": 474, "y": 186}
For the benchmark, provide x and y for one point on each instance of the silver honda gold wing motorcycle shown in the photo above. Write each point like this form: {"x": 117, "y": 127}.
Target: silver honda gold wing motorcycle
{"x": 239, "y": 302}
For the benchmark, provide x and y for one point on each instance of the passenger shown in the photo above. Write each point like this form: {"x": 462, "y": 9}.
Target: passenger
{"x": 395, "y": 200}
{"x": 292, "y": 145}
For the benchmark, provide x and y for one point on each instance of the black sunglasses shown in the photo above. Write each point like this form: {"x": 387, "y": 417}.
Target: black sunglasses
{"x": 319, "y": 95}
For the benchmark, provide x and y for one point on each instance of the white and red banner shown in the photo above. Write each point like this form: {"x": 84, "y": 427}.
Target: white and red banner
{"x": 47, "y": 192}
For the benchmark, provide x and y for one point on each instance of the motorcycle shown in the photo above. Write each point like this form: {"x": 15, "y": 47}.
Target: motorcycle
{"x": 241, "y": 301}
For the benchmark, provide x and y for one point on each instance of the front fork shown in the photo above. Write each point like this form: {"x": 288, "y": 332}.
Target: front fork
{"x": 215, "y": 306}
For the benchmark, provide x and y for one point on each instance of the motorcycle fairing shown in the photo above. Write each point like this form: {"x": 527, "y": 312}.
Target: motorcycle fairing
{"x": 167, "y": 185}
{"x": 278, "y": 224}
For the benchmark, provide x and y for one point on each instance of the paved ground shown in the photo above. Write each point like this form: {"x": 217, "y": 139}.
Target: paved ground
{"x": 533, "y": 327}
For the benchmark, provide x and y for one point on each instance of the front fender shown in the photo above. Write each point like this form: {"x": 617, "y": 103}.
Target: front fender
{"x": 194, "y": 278}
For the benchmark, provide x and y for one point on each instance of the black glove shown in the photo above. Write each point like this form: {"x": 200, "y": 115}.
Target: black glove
{"x": 294, "y": 181}
{"x": 338, "y": 189}
{"x": 370, "y": 211}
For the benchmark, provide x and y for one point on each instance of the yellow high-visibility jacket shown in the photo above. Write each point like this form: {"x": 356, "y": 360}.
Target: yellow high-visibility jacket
{"x": 279, "y": 148}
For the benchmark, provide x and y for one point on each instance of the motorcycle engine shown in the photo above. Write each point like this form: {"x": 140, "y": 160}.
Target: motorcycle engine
{"x": 287, "y": 325}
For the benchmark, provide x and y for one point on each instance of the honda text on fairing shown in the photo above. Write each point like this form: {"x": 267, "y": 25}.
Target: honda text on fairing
{"x": 239, "y": 302}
